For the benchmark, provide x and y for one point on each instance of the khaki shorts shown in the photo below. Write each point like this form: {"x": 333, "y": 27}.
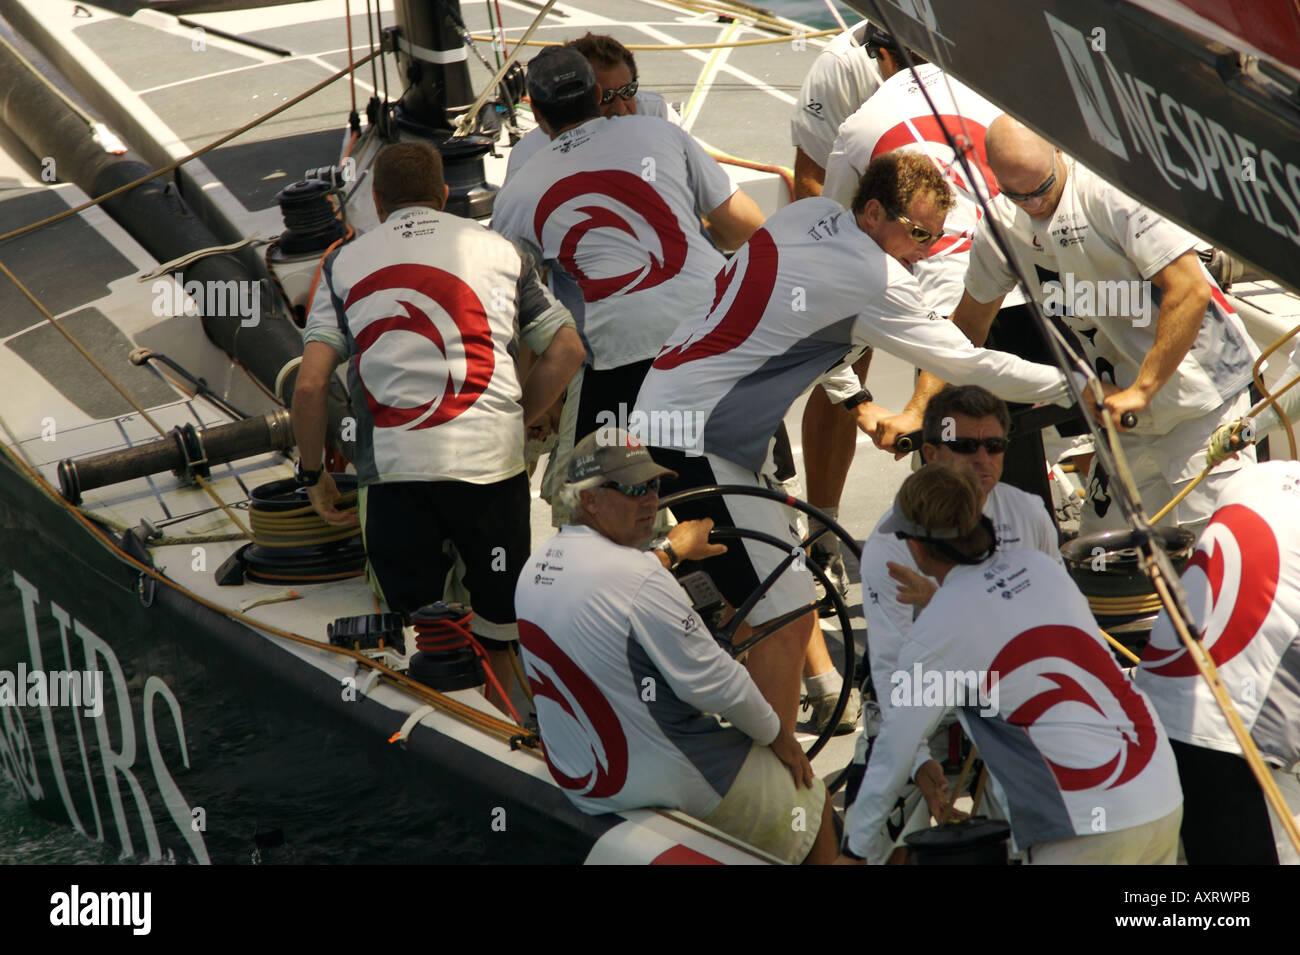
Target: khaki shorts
{"x": 764, "y": 809}
{"x": 1152, "y": 843}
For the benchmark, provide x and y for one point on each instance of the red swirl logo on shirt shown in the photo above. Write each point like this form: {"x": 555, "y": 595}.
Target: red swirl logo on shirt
{"x": 1237, "y": 546}
{"x": 631, "y": 193}
{"x": 456, "y": 374}
{"x": 745, "y": 285}
{"x": 558, "y": 682}
{"x": 1079, "y": 651}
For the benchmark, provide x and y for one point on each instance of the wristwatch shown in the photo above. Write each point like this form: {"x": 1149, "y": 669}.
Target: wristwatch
{"x": 861, "y": 397}
{"x": 665, "y": 545}
{"x": 304, "y": 477}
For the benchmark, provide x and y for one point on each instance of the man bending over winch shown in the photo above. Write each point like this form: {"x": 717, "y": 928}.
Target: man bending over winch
{"x": 426, "y": 308}
{"x": 626, "y": 675}
{"x": 1153, "y": 324}
{"x": 1073, "y": 750}
{"x": 965, "y": 427}
{"x": 810, "y": 291}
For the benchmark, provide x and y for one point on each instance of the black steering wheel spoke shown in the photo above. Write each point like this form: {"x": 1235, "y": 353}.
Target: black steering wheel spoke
{"x": 792, "y": 553}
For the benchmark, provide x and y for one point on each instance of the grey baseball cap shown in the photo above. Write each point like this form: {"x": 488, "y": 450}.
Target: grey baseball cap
{"x": 559, "y": 74}
{"x": 614, "y": 454}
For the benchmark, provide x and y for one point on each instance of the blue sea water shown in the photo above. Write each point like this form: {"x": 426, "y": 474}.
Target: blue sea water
{"x": 26, "y": 837}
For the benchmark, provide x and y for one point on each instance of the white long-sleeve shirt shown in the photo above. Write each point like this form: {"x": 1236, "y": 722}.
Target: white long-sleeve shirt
{"x": 1071, "y": 745}
{"x": 1019, "y": 520}
{"x": 809, "y": 290}
{"x": 624, "y": 674}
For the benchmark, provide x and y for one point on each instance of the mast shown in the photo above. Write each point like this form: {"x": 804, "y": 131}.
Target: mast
{"x": 434, "y": 68}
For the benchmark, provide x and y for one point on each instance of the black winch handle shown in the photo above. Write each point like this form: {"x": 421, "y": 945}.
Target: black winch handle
{"x": 907, "y": 443}
{"x": 1128, "y": 419}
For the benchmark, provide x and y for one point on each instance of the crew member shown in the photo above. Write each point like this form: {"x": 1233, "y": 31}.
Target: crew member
{"x": 924, "y": 110}
{"x": 1073, "y": 749}
{"x": 843, "y": 77}
{"x": 426, "y": 308}
{"x": 965, "y": 427}
{"x": 1243, "y": 591}
{"x": 625, "y": 674}
{"x": 1107, "y": 263}
{"x": 811, "y": 289}
{"x": 612, "y": 207}
{"x": 621, "y": 95}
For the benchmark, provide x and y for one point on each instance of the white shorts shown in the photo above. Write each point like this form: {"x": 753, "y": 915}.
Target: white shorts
{"x": 1162, "y": 465}
{"x": 738, "y": 572}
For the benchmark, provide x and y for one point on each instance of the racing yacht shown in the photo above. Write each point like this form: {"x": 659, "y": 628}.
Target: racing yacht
{"x": 251, "y": 700}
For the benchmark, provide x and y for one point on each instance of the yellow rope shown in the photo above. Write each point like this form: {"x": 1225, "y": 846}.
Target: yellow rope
{"x": 1271, "y": 400}
{"x": 1121, "y": 649}
{"x": 641, "y": 47}
{"x": 117, "y": 386}
{"x": 1259, "y": 383}
{"x": 461, "y": 711}
{"x": 1210, "y": 673}
{"x": 1123, "y": 606}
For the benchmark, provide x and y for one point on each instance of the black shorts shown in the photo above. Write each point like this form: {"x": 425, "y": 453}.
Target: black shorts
{"x": 1225, "y": 817}
{"x": 406, "y": 522}
{"x": 605, "y": 391}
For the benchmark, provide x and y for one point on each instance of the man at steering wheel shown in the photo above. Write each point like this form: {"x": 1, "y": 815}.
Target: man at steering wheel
{"x": 625, "y": 674}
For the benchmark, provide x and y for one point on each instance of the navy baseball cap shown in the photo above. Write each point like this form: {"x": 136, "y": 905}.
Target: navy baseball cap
{"x": 559, "y": 74}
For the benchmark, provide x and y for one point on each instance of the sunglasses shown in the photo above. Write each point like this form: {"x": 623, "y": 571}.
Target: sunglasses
{"x": 971, "y": 445}
{"x": 919, "y": 234}
{"x": 622, "y": 92}
{"x": 635, "y": 490}
{"x": 1048, "y": 183}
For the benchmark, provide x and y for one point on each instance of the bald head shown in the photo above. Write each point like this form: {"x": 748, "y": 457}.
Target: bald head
{"x": 1022, "y": 161}
{"x": 1013, "y": 148}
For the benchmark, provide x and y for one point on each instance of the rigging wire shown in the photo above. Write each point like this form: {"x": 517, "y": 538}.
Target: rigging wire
{"x": 1263, "y": 390}
{"x": 1111, "y": 456}
{"x": 176, "y": 164}
{"x": 352, "y": 80}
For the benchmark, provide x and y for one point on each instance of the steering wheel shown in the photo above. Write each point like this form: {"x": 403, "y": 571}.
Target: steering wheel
{"x": 725, "y": 633}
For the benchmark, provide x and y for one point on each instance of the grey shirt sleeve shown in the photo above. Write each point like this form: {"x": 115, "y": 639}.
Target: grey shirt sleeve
{"x": 540, "y": 314}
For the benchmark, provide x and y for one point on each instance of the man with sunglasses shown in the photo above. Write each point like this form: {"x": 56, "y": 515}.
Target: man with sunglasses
{"x": 1073, "y": 750}
{"x": 811, "y": 290}
{"x": 1080, "y": 242}
{"x": 902, "y": 114}
{"x": 626, "y": 675}
{"x": 612, "y": 206}
{"x": 621, "y": 93}
{"x": 965, "y": 427}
